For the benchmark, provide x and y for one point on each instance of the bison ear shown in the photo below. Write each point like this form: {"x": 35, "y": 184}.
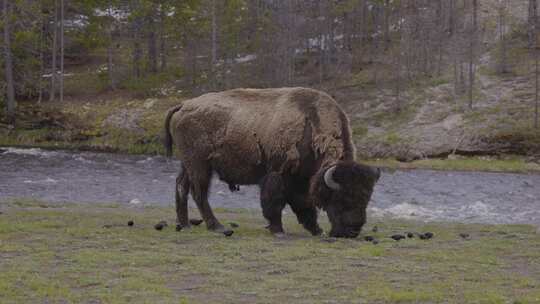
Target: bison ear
{"x": 329, "y": 179}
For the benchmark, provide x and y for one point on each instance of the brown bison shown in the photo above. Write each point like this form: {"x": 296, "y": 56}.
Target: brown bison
{"x": 295, "y": 143}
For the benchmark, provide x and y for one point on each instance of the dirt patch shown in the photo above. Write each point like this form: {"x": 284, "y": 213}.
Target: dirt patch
{"x": 127, "y": 119}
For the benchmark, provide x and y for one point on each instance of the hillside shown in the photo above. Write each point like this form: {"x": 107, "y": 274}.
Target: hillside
{"x": 433, "y": 121}
{"x": 436, "y": 123}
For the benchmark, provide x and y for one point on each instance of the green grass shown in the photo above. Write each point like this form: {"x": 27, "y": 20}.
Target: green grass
{"x": 62, "y": 253}
{"x": 477, "y": 163}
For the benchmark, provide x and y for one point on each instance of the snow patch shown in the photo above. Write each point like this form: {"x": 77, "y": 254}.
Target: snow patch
{"x": 247, "y": 58}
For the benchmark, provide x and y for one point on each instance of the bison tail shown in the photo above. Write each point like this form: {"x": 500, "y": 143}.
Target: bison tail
{"x": 168, "y": 142}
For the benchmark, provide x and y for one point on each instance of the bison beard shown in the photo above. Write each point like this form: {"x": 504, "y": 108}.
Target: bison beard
{"x": 295, "y": 143}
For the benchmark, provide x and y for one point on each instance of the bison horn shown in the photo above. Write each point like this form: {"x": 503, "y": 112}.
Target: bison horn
{"x": 329, "y": 179}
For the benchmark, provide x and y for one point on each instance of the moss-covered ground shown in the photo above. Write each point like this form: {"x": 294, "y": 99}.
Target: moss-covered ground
{"x": 75, "y": 253}
{"x": 137, "y": 126}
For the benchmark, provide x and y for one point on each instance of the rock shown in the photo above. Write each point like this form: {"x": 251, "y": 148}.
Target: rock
{"x": 160, "y": 225}
{"x": 130, "y": 223}
{"x": 228, "y": 232}
{"x": 464, "y": 235}
{"x": 527, "y": 184}
{"x": 397, "y": 237}
{"x": 234, "y": 225}
{"x": 374, "y": 229}
{"x": 369, "y": 238}
{"x": 178, "y": 227}
{"x": 149, "y": 103}
{"x": 410, "y": 235}
{"x": 426, "y": 236}
{"x": 195, "y": 222}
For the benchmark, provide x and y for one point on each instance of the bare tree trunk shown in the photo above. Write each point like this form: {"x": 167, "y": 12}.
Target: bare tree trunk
{"x": 52, "y": 93}
{"x": 386, "y": 24}
{"x": 8, "y": 63}
{"x": 110, "y": 50}
{"x": 321, "y": 43}
{"x": 137, "y": 52}
{"x": 502, "y": 36}
{"x": 110, "y": 66}
{"x": 536, "y": 89}
{"x": 440, "y": 36}
{"x": 152, "y": 42}
{"x": 61, "y": 50}
{"x": 41, "y": 56}
{"x": 471, "y": 52}
{"x": 162, "y": 45}
{"x": 214, "y": 46}
{"x": 452, "y": 17}
{"x": 376, "y": 42}
{"x": 289, "y": 48}
{"x": 461, "y": 78}
{"x": 531, "y": 30}
{"x": 398, "y": 63}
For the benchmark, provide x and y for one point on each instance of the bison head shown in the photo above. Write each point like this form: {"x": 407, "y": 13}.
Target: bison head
{"x": 343, "y": 190}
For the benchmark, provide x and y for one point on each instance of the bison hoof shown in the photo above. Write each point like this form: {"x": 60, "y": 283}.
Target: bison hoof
{"x": 228, "y": 232}
{"x": 217, "y": 228}
{"x": 274, "y": 229}
{"x": 316, "y": 231}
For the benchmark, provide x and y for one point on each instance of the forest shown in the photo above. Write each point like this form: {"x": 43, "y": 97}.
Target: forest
{"x": 376, "y": 57}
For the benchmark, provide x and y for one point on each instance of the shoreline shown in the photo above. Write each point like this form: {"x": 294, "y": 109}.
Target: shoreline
{"x": 434, "y": 164}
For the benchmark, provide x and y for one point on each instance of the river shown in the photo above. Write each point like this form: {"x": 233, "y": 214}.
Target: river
{"x": 426, "y": 195}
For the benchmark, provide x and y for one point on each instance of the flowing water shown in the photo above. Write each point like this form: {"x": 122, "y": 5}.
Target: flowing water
{"x": 60, "y": 176}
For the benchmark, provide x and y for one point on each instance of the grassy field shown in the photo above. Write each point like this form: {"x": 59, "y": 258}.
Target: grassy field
{"x": 73, "y": 253}
{"x": 508, "y": 163}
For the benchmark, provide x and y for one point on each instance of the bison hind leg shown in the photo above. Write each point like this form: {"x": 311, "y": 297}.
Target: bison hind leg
{"x": 273, "y": 201}
{"x": 200, "y": 175}
{"x": 181, "y": 198}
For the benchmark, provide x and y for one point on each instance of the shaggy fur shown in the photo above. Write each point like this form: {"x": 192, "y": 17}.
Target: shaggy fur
{"x": 281, "y": 139}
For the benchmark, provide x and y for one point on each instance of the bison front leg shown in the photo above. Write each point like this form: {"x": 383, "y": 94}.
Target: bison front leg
{"x": 273, "y": 201}
{"x": 305, "y": 212}
{"x": 181, "y": 198}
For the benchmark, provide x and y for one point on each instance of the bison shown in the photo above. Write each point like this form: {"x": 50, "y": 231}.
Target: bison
{"x": 295, "y": 143}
